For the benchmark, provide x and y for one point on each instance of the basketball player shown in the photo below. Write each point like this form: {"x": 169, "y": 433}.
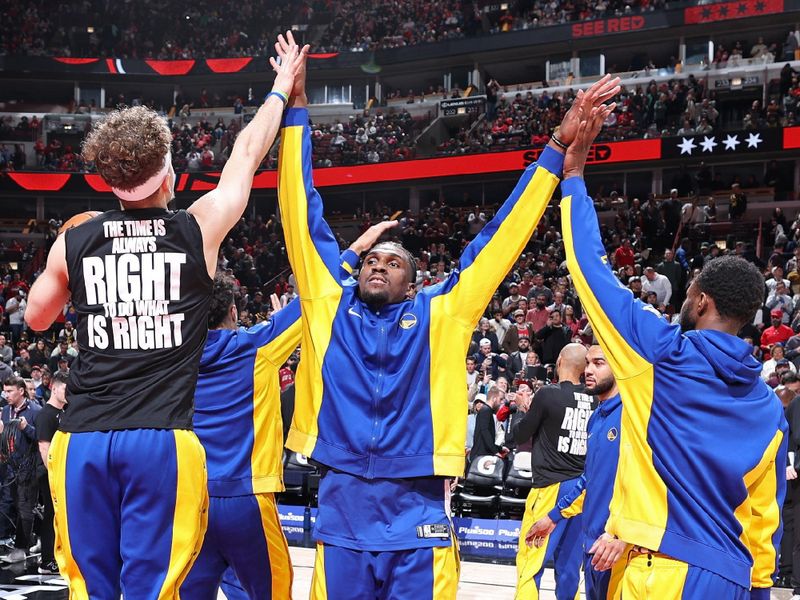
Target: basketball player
{"x": 127, "y": 473}
{"x": 375, "y": 400}
{"x": 701, "y": 476}
{"x": 238, "y": 395}
{"x": 592, "y": 491}
{"x": 556, "y": 420}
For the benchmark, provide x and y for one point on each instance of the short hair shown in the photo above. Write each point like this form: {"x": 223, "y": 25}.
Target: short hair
{"x": 735, "y": 285}
{"x": 128, "y": 147}
{"x": 17, "y": 382}
{"x": 493, "y": 393}
{"x": 402, "y": 251}
{"x": 222, "y": 296}
{"x": 59, "y": 377}
{"x": 789, "y": 378}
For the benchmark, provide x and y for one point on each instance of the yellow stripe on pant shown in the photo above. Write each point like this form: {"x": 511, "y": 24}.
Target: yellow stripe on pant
{"x": 446, "y": 571}
{"x": 319, "y": 589}
{"x": 57, "y": 470}
{"x": 277, "y": 548}
{"x": 653, "y": 577}
{"x": 191, "y": 499}
{"x": 530, "y": 561}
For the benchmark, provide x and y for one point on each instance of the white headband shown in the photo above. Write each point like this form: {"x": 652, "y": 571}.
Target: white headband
{"x": 148, "y": 187}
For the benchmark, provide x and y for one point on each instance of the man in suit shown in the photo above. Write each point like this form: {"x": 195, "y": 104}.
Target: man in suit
{"x": 485, "y": 441}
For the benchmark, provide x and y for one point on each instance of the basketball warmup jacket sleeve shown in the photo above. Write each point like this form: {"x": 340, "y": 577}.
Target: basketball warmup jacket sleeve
{"x": 676, "y": 388}
{"x": 571, "y": 503}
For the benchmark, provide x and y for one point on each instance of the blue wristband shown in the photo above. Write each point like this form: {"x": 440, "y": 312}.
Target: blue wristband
{"x": 284, "y": 98}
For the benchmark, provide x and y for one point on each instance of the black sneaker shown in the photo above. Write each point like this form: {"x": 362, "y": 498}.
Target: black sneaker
{"x": 50, "y": 568}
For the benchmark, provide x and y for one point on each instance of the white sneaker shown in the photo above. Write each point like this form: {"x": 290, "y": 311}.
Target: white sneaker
{"x": 37, "y": 548}
{"x": 796, "y": 597}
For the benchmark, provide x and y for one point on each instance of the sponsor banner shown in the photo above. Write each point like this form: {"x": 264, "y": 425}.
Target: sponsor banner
{"x": 724, "y": 11}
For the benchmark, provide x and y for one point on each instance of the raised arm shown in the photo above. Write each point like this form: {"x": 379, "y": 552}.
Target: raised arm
{"x": 632, "y": 334}
{"x": 220, "y": 209}
{"x": 486, "y": 260}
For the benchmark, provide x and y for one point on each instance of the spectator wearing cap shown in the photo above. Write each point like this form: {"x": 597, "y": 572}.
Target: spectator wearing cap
{"x": 778, "y": 357}
{"x": 489, "y": 363}
{"x": 478, "y": 404}
{"x": 779, "y": 299}
{"x": 518, "y": 358}
{"x": 60, "y": 354}
{"x": 289, "y": 295}
{"x": 36, "y": 376}
{"x": 636, "y": 286}
{"x": 43, "y": 389}
{"x": 484, "y": 331}
{"x": 777, "y": 276}
{"x": 777, "y": 332}
{"x": 655, "y": 282}
{"x": 511, "y": 303}
{"x": 519, "y": 330}
{"x": 15, "y": 309}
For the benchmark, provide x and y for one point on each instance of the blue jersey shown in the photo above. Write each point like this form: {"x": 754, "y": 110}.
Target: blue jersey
{"x": 237, "y": 412}
{"x": 591, "y": 494}
{"x": 374, "y": 393}
{"x": 702, "y": 439}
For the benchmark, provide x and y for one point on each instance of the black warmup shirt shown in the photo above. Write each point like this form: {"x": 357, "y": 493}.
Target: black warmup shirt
{"x": 47, "y": 421}
{"x": 557, "y": 423}
{"x": 141, "y": 289}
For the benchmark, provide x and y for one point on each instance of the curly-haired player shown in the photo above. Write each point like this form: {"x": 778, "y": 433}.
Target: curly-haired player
{"x": 701, "y": 478}
{"x": 126, "y": 472}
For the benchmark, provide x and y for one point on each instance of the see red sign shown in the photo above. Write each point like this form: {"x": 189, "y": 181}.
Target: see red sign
{"x": 616, "y": 25}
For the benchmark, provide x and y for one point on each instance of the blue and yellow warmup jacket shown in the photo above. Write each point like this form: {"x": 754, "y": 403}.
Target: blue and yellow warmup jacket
{"x": 376, "y": 392}
{"x": 237, "y": 406}
{"x": 592, "y": 492}
{"x": 703, "y": 439}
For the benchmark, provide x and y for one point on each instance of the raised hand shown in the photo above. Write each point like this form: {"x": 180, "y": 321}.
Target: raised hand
{"x": 596, "y": 95}
{"x": 287, "y": 72}
{"x": 575, "y": 159}
{"x": 275, "y": 302}
{"x": 282, "y": 47}
{"x": 370, "y": 237}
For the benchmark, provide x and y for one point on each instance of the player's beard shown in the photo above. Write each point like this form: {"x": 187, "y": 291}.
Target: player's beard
{"x": 601, "y": 386}
{"x": 374, "y": 298}
{"x": 686, "y": 319}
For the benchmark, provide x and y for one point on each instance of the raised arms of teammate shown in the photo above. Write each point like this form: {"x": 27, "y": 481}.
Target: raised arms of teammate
{"x": 486, "y": 260}
{"x": 632, "y": 334}
{"x": 220, "y": 209}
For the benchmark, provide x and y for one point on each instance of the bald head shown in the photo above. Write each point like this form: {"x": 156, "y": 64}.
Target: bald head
{"x": 571, "y": 362}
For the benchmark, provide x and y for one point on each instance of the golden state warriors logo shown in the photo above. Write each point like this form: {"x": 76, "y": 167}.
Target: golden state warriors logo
{"x": 612, "y": 434}
{"x": 407, "y": 321}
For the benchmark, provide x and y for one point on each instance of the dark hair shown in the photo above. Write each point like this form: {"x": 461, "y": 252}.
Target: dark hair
{"x": 59, "y": 377}
{"x": 736, "y": 286}
{"x": 222, "y": 296}
{"x": 17, "y": 382}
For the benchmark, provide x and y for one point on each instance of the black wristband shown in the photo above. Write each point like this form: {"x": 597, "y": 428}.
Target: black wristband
{"x": 558, "y": 142}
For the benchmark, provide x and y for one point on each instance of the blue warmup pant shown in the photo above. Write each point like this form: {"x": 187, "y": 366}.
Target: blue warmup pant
{"x": 130, "y": 511}
{"x": 603, "y": 585}
{"x": 418, "y": 574}
{"x": 244, "y": 542}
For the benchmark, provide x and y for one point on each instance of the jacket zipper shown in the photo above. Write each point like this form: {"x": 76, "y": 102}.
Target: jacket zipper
{"x": 376, "y": 399}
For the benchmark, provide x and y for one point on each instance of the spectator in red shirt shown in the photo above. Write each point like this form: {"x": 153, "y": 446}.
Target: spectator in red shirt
{"x": 624, "y": 254}
{"x": 778, "y": 332}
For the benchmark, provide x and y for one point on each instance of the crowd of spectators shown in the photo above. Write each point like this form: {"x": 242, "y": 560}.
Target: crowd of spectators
{"x": 145, "y": 29}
